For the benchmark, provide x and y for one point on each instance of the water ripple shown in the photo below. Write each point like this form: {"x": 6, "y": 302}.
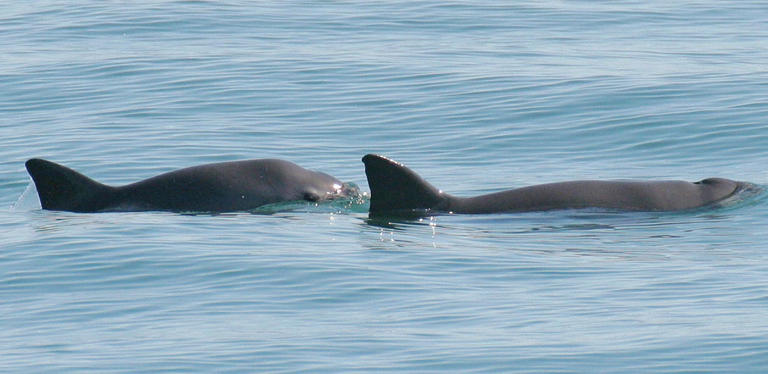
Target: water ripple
{"x": 475, "y": 96}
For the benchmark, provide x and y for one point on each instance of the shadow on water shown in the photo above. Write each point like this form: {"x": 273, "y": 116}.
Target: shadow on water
{"x": 357, "y": 202}
{"x": 399, "y": 222}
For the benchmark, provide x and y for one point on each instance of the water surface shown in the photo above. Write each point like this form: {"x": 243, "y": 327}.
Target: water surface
{"x": 475, "y": 96}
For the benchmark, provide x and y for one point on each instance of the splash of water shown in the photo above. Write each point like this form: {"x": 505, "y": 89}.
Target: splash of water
{"x": 27, "y": 201}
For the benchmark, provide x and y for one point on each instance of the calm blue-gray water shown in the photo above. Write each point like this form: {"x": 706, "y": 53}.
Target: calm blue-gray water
{"x": 475, "y": 96}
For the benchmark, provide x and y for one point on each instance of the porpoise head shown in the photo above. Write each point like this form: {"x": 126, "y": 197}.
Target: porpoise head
{"x": 716, "y": 189}
{"x": 325, "y": 187}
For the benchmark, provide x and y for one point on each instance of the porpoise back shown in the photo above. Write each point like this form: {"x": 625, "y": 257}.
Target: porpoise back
{"x": 397, "y": 189}
{"x": 218, "y": 187}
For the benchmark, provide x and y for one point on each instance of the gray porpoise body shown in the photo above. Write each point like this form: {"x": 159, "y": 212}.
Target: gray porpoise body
{"x": 218, "y": 187}
{"x": 396, "y": 188}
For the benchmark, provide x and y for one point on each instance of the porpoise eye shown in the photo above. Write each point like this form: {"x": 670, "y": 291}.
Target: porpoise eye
{"x": 706, "y": 181}
{"x": 311, "y": 196}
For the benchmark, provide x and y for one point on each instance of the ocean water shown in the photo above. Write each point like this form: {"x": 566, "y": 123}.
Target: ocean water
{"x": 476, "y": 96}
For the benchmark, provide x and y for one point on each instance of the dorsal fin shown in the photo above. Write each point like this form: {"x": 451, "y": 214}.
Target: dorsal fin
{"x": 396, "y": 188}
{"x": 61, "y": 188}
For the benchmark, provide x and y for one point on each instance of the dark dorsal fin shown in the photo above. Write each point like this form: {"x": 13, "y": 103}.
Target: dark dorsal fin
{"x": 395, "y": 188}
{"x": 61, "y": 188}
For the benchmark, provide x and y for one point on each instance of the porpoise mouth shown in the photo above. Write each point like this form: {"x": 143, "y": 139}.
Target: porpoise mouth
{"x": 743, "y": 192}
{"x": 744, "y": 187}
